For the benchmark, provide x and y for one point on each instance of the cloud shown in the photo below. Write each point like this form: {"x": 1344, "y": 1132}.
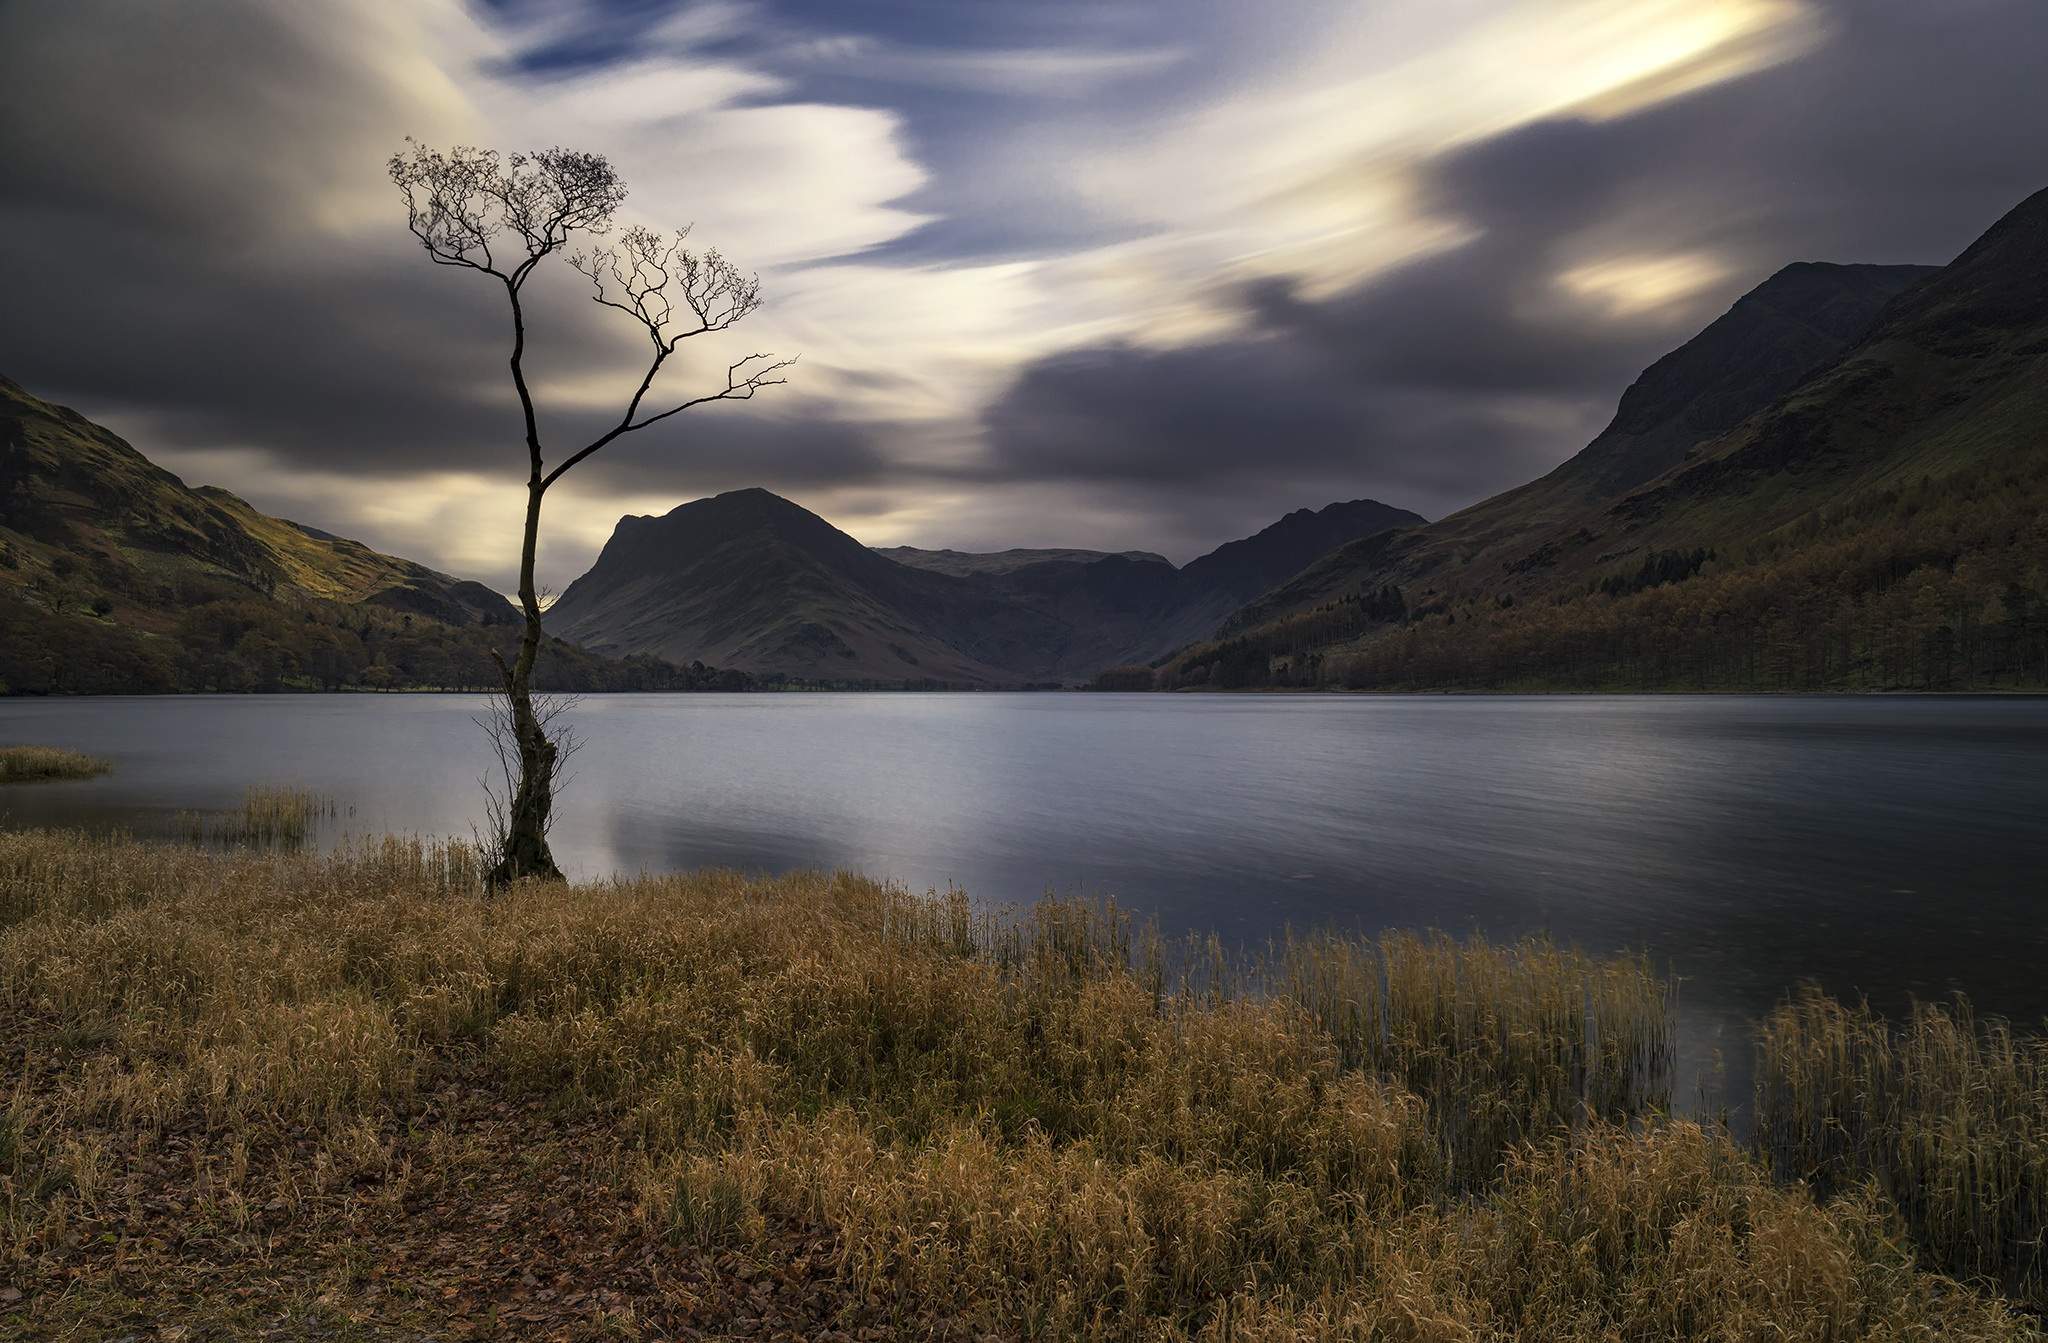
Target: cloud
{"x": 1239, "y": 431}
{"x": 1131, "y": 273}
{"x": 197, "y": 217}
{"x": 1583, "y": 246}
{"x": 1017, "y": 72}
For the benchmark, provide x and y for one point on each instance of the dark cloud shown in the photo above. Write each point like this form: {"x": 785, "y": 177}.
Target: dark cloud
{"x": 1900, "y": 138}
{"x": 731, "y": 447}
{"x": 192, "y": 236}
{"x": 1472, "y": 370}
{"x": 192, "y": 246}
{"x": 1245, "y": 426}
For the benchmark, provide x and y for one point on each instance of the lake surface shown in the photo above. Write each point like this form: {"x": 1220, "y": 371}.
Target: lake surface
{"x": 1894, "y": 846}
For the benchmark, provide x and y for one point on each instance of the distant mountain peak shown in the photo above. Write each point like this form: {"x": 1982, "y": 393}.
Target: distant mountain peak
{"x": 750, "y": 580}
{"x": 1277, "y": 552}
{"x": 960, "y": 562}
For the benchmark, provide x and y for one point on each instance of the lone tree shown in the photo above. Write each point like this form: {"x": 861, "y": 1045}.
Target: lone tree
{"x": 502, "y": 217}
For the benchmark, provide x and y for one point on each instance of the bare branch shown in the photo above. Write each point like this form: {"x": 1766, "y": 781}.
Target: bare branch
{"x": 739, "y": 386}
{"x": 499, "y": 723}
{"x": 671, "y": 291}
{"x": 460, "y": 203}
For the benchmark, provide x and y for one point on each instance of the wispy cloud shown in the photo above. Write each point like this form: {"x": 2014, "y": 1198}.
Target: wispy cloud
{"x": 1134, "y": 274}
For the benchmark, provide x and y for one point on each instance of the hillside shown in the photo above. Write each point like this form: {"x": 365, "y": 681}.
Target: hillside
{"x": 962, "y": 563}
{"x": 1766, "y": 344}
{"x": 750, "y": 580}
{"x": 1865, "y": 521}
{"x": 71, "y": 488}
{"x": 115, "y": 576}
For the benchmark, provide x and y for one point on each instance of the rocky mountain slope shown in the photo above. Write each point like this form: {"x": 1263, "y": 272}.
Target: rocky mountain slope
{"x": 753, "y": 581}
{"x": 961, "y": 563}
{"x": 1766, "y": 344}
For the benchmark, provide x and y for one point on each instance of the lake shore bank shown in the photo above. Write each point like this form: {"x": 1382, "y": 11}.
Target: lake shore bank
{"x": 265, "y": 1091}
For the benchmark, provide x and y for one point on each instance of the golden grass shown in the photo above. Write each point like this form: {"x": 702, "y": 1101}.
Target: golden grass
{"x": 28, "y": 764}
{"x": 1047, "y": 1127}
{"x": 268, "y": 815}
{"x": 1947, "y": 1113}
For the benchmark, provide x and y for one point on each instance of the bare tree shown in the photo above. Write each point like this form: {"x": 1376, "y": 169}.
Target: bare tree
{"x": 501, "y": 783}
{"x": 502, "y": 217}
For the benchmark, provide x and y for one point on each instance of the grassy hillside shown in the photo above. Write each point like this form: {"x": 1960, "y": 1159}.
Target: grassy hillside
{"x": 1874, "y": 527}
{"x": 351, "y": 1098}
{"x": 116, "y": 577}
{"x": 70, "y": 490}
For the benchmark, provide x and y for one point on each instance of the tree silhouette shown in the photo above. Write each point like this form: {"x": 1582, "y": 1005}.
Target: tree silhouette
{"x": 502, "y": 217}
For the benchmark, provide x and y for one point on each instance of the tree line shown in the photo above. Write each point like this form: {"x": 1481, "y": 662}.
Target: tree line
{"x": 227, "y": 640}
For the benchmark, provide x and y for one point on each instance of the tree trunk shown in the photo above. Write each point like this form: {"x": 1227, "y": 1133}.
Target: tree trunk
{"x": 524, "y": 848}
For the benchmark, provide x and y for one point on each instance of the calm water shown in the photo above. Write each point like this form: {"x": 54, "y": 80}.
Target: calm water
{"x": 1888, "y": 846}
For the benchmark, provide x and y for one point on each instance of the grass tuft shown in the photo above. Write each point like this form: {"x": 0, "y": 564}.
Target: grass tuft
{"x": 33, "y": 764}
{"x": 1947, "y": 1113}
{"x": 268, "y": 815}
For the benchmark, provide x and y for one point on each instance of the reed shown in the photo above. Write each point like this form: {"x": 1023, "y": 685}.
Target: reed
{"x": 1948, "y": 1113}
{"x": 32, "y": 764}
{"x": 268, "y": 815}
{"x": 952, "y": 1122}
{"x": 1507, "y": 1044}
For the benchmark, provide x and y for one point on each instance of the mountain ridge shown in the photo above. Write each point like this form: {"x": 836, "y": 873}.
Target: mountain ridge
{"x": 1781, "y": 330}
{"x": 963, "y": 562}
{"x": 762, "y": 584}
{"x": 1904, "y": 468}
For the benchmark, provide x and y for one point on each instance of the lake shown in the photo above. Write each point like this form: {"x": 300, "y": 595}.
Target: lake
{"x": 1892, "y": 846}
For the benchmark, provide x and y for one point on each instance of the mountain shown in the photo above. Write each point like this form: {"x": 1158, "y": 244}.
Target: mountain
{"x": 69, "y": 488}
{"x": 117, "y": 577}
{"x": 753, "y": 581}
{"x": 961, "y": 563}
{"x": 1766, "y": 344}
{"x": 1246, "y": 568}
{"x": 1828, "y": 487}
{"x": 748, "y": 579}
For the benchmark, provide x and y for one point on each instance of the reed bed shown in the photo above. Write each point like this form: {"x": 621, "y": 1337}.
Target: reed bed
{"x": 1947, "y": 1113}
{"x": 1506, "y": 1043}
{"x": 33, "y": 764}
{"x": 268, "y": 815}
{"x": 950, "y": 1124}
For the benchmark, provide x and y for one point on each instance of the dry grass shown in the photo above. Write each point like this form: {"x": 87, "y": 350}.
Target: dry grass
{"x": 1948, "y": 1114}
{"x": 385, "y": 1104}
{"x": 30, "y": 764}
{"x": 268, "y": 815}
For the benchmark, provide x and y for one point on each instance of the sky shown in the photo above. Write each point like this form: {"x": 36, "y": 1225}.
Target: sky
{"x": 1121, "y": 274}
